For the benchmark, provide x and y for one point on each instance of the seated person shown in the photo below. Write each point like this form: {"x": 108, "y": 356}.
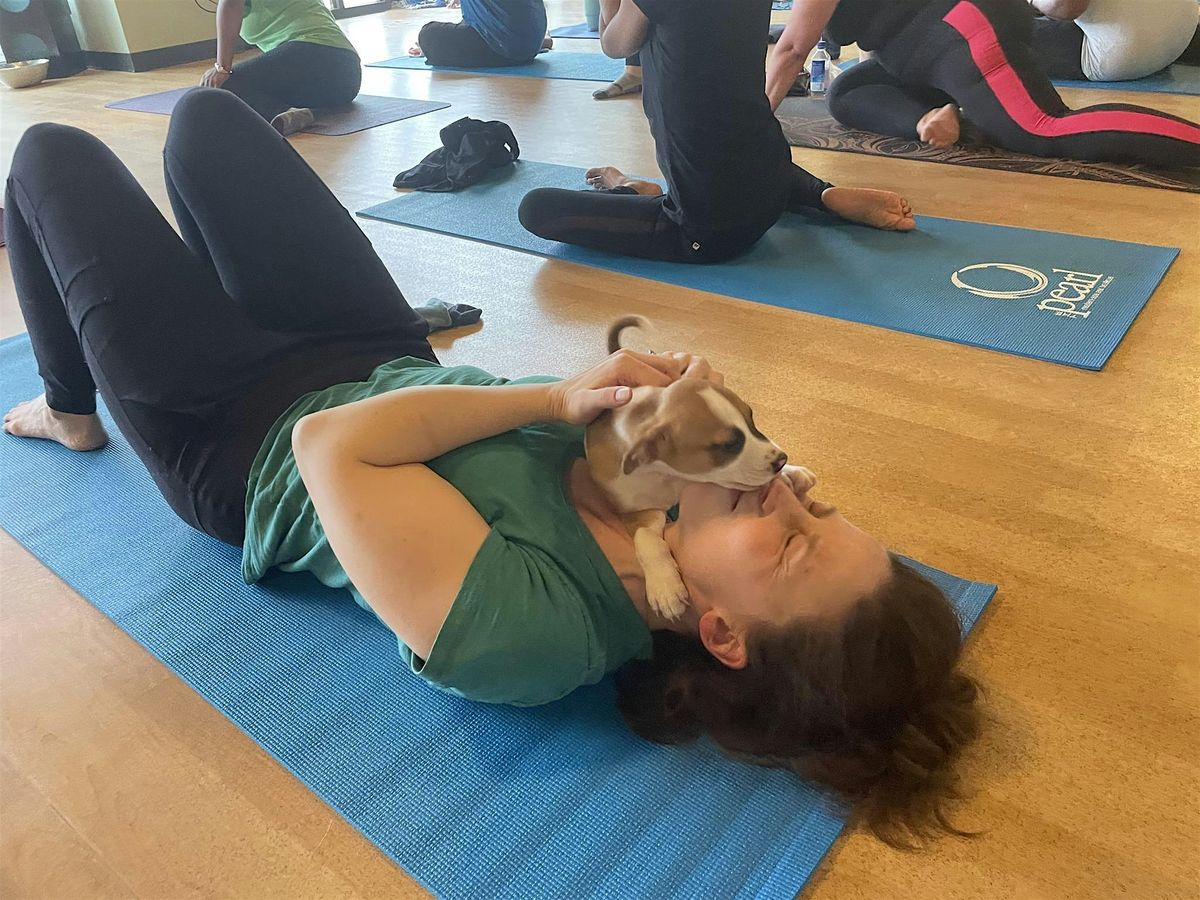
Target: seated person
{"x": 492, "y": 33}
{"x": 307, "y": 62}
{"x": 1114, "y": 40}
{"x": 933, "y": 58}
{"x": 269, "y": 374}
{"x": 728, "y": 166}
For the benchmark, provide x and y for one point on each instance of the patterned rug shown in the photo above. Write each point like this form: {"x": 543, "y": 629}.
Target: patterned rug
{"x": 807, "y": 123}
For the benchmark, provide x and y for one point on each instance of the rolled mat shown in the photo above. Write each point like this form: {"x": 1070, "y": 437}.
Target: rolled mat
{"x": 472, "y": 800}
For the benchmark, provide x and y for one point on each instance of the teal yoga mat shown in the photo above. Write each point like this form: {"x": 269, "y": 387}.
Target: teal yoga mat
{"x": 1056, "y": 297}
{"x": 474, "y": 801}
{"x": 557, "y": 64}
{"x": 1176, "y": 79}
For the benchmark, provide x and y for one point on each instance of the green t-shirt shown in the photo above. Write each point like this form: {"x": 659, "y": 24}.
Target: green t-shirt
{"x": 269, "y": 23}
{"x": 541, "y": 612}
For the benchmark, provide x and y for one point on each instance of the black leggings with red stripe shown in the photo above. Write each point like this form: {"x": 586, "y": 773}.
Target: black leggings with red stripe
{"x": 979, "y": 55}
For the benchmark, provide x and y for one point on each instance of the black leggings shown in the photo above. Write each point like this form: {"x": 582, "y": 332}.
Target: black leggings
{"x": 297, "y": 74}
{"x": 197, "y": 347}
{"x": 636, "y": 225}
{"x": 978, "y": 54}
{"x": 458, "y": 44}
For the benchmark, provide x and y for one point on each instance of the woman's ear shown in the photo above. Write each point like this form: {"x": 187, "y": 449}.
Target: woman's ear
{"x": 722, "y": 640}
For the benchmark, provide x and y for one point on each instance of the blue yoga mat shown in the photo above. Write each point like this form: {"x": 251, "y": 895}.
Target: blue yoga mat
{"x": 557, "y": 64}
{"x": 1176, "y": 79}
{"x": 365, "y": 112}
{"x": 472, "y": 800}
{"x": 1006, "y": 289}
{"x": 574, "y": 31}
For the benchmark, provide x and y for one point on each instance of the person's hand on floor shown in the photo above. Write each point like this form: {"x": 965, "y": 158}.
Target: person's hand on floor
{"x": 213, "y": 77}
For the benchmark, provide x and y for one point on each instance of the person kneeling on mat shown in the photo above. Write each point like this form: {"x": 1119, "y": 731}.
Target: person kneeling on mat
{"x": 1114, "y": 40}
{"x": 307, "y": 63}
{"x": 271, "y": 377}
{"x": 933, "y": 58}
{"x": 727, "y": 164}
{"x": 492, "y": 33}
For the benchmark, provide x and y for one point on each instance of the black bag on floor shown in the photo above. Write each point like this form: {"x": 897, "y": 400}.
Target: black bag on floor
{"x": 470, "y": 149}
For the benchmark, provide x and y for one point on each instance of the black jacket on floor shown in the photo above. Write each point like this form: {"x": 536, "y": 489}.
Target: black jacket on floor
{"x": 470, "y": 149}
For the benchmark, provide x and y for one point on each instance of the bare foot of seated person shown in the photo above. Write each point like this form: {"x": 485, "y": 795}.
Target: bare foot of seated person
{"x": 605, "y": 178}
{"x": 940, "y": 127}
{"x": 884, "y": 210}
{"x": 34, "y": 419}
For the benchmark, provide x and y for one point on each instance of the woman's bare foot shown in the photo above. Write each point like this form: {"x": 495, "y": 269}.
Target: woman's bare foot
{"x": 415, "y": 50}
{"x": 605, "y": 178}
{"x": 940, "y": 127}
{"x": 547, "y": 43}
{"x": 34, "y": 419}
{"x": 879, "y": 209}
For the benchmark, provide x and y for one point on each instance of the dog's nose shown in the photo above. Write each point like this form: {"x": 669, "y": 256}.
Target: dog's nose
{"x": 780, "y": 462}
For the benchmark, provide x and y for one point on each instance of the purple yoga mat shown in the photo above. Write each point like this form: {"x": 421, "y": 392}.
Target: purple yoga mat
{"x": 365, "y": 112}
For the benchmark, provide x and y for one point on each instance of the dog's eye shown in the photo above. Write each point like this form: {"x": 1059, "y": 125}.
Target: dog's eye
{"x": 734, "y": 444}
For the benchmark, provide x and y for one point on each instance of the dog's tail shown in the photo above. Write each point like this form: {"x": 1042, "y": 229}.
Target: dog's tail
{"x": 615, "y": 329}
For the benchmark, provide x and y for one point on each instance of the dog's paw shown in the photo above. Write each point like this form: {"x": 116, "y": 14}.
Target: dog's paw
{"x": 666, "y": 593}
{"x": 802, "y": 480}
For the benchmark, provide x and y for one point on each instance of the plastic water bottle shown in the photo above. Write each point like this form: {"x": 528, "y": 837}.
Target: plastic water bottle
{"x": 819, "y": 70}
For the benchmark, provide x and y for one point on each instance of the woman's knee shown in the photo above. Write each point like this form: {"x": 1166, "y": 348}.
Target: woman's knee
{"x": 208, "y": 111}
{"x": 49, "y": 154}
{"x": 538, "y": 210}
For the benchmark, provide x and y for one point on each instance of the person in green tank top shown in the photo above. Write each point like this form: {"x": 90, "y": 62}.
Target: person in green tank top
{"x": 307, "y": 62}
{"x": 294, "y": 408}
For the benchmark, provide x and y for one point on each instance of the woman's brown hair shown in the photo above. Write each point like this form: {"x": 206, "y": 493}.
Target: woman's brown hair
{"x": 870, "y": 704}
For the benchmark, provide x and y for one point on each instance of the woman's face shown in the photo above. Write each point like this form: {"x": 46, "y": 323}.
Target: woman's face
{"x": 770, "y": 556}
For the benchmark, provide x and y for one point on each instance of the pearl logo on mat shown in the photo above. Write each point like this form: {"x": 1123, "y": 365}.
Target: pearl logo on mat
{"x": 1039, "y": 281}
{"x": 1073, "y": 297}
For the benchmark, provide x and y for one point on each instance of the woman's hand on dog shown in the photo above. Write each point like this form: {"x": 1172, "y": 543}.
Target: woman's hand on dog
{"x": 696, "y": 367}
{"x": 607, "y": 385}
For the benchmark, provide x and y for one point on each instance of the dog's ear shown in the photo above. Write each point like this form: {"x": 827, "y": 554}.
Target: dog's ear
{"x": 649, "y": 448}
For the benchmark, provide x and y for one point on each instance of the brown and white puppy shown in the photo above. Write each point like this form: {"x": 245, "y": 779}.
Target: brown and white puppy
{"x": 644, "y": 453}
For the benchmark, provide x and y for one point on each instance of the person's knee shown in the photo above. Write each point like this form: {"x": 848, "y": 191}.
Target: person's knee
{"x": 835, "y": 99}
{"x": 536, "y": 211}
{"x": 55, "y": 144}
{"x": 56, "y": 151}
{"x": 207, "y": 110}
{"x": 429, "y": 37}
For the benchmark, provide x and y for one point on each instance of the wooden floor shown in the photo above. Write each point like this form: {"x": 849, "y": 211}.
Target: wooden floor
{"x": 1076, "y": 491}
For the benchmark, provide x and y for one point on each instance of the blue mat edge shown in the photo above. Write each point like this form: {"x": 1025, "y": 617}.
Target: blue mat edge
{"x": 503, "y": 71}
{"x": 372, "y": 212}
{"x": 21, "y": 539}
{"x": 829, "y": 826}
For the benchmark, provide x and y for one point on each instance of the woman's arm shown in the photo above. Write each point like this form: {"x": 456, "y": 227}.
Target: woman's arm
{"x": 405, "y": 537}
{"x": 229, "y": 23}
{"x": 804, "y": 27}
{"x": 623, "y": 28}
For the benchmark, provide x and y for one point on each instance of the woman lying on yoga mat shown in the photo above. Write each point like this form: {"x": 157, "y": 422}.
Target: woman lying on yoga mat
{"x": 933, "y": 57}
{"x": 492, "y": 33}
{"x": 1114, "y": 40}
{"x": 267, "y": 371}
{"x": 727, "y": 164}
{"x": 307, "y": 63}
